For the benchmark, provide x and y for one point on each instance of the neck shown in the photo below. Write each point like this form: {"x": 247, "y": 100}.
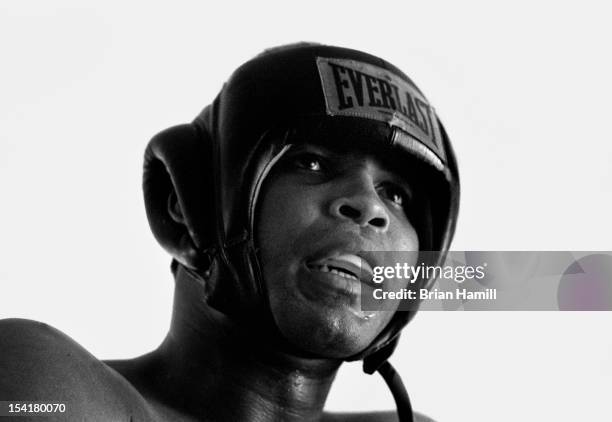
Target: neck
{"x": 218, "y": 371}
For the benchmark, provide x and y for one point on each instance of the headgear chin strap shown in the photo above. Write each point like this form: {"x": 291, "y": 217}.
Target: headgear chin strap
{"x": 216, "y": 166}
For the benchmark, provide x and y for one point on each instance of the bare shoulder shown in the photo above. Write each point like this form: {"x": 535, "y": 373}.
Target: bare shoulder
{"x": 384, "y": 416}
{"x": 40, "y": 363}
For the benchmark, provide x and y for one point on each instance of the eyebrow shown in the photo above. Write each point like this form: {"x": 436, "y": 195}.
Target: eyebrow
{"x": 335, "y": 152}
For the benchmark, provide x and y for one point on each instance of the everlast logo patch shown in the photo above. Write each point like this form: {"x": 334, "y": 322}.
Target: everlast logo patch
{"x": 360, "y": 89}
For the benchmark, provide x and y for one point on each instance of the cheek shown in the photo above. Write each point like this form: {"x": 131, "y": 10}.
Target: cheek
{"x": 283, "y": 216}
{"x": 404, "y": 237}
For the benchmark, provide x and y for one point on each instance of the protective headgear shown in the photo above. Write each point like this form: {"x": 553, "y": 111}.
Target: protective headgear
{"x": 216, "y": 165}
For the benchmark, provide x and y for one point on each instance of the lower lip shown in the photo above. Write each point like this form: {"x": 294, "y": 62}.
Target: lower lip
{"x": 326, "y": 284}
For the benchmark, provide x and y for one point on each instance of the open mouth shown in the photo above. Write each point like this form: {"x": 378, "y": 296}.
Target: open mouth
{"x": 349, "y": 266}
{"x": 338, "y": 278}
{"x": 342, "y": 272}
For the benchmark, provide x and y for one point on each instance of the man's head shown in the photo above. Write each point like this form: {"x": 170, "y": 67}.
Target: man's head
{"x": 320, "y": 212}
{"x": 252, "y": 203}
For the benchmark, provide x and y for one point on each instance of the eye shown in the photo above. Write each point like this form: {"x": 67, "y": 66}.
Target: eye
{"x": 309, "y": 161}
{"x": 395, "y": 194}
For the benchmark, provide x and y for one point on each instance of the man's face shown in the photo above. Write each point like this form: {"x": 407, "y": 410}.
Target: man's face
{"x": 318, "y": 212}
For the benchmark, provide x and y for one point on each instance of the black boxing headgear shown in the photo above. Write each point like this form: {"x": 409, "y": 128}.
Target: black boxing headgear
{"x": 216, "y": 165}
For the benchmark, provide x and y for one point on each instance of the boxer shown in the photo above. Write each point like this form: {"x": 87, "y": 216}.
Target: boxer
{"x": 271, "y": 203}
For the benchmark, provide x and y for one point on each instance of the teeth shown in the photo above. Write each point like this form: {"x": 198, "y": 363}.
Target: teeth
{"x": 326, "y": 269}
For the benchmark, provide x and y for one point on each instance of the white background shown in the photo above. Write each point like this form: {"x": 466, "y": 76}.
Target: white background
{"x": 523, "y": 88}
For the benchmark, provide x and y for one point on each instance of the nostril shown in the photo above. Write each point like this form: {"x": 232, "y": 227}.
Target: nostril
{"x": 362, "y": 212}
{"x": 348, "y": 211}
{"x": 378, "y": 222}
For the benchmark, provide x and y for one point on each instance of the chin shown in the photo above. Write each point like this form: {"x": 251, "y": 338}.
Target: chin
{"x": 327, "y": 333}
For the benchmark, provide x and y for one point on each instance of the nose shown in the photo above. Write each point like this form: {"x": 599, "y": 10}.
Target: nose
{"x": 359, "y": 202}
